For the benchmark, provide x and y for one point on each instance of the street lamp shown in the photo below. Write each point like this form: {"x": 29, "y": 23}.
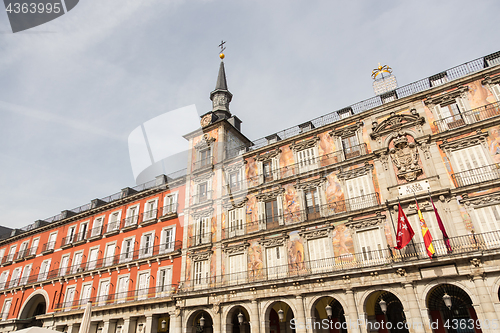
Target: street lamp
{"x": 447, "y": 300}
{"x": 329, "y": 311}
{"x": 163, "y": 324}
{"x": 202, "y": 321}
{"x": 241, "y": 318}
{"x": 281, "y": 315}
{"x": 383, "y": 306}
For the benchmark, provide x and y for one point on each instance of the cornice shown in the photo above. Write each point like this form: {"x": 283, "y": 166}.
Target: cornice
{"x": 347, "y": 131}
{"x": 354, "y": 173}
{"x": 200, "y": 256}
{"x": 489, "y": 80}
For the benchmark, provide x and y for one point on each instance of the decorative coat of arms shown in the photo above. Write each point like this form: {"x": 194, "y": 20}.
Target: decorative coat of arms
{"x": 404, "y": 155}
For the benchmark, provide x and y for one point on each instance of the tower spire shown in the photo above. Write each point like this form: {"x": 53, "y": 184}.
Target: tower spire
{"x": 221, "y": 97}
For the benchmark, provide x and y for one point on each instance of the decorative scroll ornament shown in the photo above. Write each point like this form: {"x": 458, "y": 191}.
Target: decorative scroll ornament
{"x": 298, "y": 146}
{"x": 423, "y": 205}
{"x": 365, "y": 223}
{"x": 267, "y": 156}
{"x": 200, "y": 256}
{"x": 234, "y": 167}
{"x": 354, "y": 173}
{"x": 271, "y": 195}
{"x": 234, "y": 203}
{"x": 316, "y": 233}
{"x": 310, "y": 184}
{"x": 383, "y": 156}
{"x": 472, "y": 140}
{"x": 486, "y": 200}
{"x": 203, "y": 213}
{"x": 347, "y": 131}
{"x": 488, "y": 80}
{"x": 446, "y": 98}
{"x": 203, "y": 177}
{"x": 404, "y": 155}
{"x": 233, "y": 249}
{"x": 271, "y": 242}
{"x": 395, "y": 123}
{"x": 205, "y": 142}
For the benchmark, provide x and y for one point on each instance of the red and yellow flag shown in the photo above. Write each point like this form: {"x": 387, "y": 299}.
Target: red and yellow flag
{"x": 425, "y": 233}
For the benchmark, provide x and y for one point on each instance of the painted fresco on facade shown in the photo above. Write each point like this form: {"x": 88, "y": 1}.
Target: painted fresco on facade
{"x": 187, "y": 281}
{"x": 343, "y": 245}
{"x": 286, "y": 162}
{"x": 478, "y": 95}
{"x": 334, "y": 195}
{"x": 213, "y": 267}
{"x": 296, "y": 254}
{"x": 291, "y": 205}
{"x": 465, "y": 216}
{"x": 430, "y": 119}
{"x": 494, "y": 143}
{"x": 213, "y": 228}
{"x": 252, "y": 213}
{"x": 255, "y": 261}
{"x": 251, "y": 172}
{"x": 326, "y": 148}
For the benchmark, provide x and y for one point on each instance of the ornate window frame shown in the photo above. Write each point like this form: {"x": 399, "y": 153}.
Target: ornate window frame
{"x": 273, "y": 157}
{"x": 300, "y": 146}
{"x": 262, "y": 198}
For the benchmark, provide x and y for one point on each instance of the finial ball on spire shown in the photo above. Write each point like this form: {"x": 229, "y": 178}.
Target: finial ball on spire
{"x": 221, "y": 56}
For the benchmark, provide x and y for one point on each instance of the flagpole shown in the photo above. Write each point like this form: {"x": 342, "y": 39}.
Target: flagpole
{"x": 393, "y": 227}
{"x": 412, "y": 241}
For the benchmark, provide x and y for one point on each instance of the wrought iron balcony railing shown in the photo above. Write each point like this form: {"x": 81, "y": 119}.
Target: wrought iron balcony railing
{"x": 49, "y": 246}
{"x": 202, "y": 197}
{"x": 118, "y": 297}
{"x": 200, "y": 239}
{"x": 202, "y": 164}
{"x": 468, "y": 117}
{"x": 475, "y": 176}
{"x": 468, "y": 244}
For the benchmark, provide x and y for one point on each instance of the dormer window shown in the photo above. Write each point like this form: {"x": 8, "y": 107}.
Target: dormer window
{"x": 345, "y": 113}
{"x": 305, "y": 127}
{"x": 273, "y": 138}
{"x": 438, "y": 79}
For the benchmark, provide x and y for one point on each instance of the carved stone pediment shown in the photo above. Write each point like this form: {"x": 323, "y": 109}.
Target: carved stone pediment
{"x": 365, "y": 223}
{"x": 396, "y": 122}
{"x": 205, "y": 142}
{"x": 472, "y": 140}
{"x": 232, "y": 203}
{"x": 200, "y": 256}
{"x": 347, "y": 131}
{"x": 234, "y": 249}
{"x": 203, "y": 213}
{"x": 267, "y": 156}
{"x": 354, "y": 173}
{"x": 203, "y": 177}
{"x": 271, "y": 195}
{"x": 275, "y": 241}
{"x": 315, "y": 233}
{"x": 310, "y": 184}
{"x": 298, "y": 146}
{"x": 234, "y": 167}
{"x": 404, "y": 156}
{"x": 446, "y": 98}
{"x": 488, "y": 80}
{"x": 423, "y": 205}
{"x": 485, "y": 200}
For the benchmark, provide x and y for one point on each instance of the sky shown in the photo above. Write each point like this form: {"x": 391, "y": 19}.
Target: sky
{"x": 73, "y": 89}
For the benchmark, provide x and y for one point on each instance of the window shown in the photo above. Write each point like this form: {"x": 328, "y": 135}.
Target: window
{"x": 451, "y": 114}
{"x": 320, "y": 255}
{"x": 51, "y": 244}
{"x": 150, "y": 210}
{"x": 77, "y": 263}
{"x": 3, "y": 279}
{"x": 236, "y": 221}
{"x": 203, "y": 192}
{"x": 371, "y": 244}
{"x": 147, "y": 243}
{"x": 22, "y": 250}
{"x": 202, "y": 231}
{"x": 312, "y": 203}
{"x": 26, "y": 274}
{"x": 86, "y": 293}
{"x": 271, "y": 213}
{"x": 167, "y": 240}
{"x": 63, "y": 269}
{"x": 6, "y": 308}
{"x": 307, "y": 159}
{"x": 170, "y": 204}
{"x": 110, "y": 254}
{"x": 496, "y": 91}
{"x": 471, "y": 166}
{"x": 143, "y": 285}
{"x": 34, "y": 246}
{"x": 132, "y": 216}
{"x": 2, "y": 253}
{"x": 97, "y": 227}
{"x": 276, "y": 262}
{"x": 205, "y": 157}
{"x": 69, "y": 297}
{"x": 360, "y": 193}
{"x": 44, "y": 270}
{"x": 201, "y": 271}
{"x": 234, "y": 181}
{"x": 488, "y": 218}
{"x": 122, "y": 289}
{"x": 127, "y": 249}
{"x": 12, "y": 252}
{"x": 351, "y": 147}
{"x": 14, "y": 280}
{"x": 71, "y": 235}
{"x": 237, "y": 268}
{"x": 102, "y": 295}
{"x": 92, "y": 260}
{"x": 164, "y": 285}
{"x": 114, "y": 221}
{"x": 83, "y": 231}
{"x": 268, "y": 170}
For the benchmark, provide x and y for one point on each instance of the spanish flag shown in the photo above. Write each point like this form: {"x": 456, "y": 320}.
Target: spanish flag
{"x": 425, "y": 233}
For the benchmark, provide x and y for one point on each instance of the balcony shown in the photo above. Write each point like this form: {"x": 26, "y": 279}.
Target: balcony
{"x": 112, "y": 228}
{"x": 476, "y": 176}
{"x": 202, "y": 197}
{"x": 95, "y": 233}
{"x": 48, "y": 247}
{"x": 200, "y": 239}
{"x": 169, "y": 211}
{"x": 67, "y": 241}
{"x": 8, "y": 259}
{"x": 101, "y": 263}
{"x": 468, "y": 117}
{"x": 203, "y": 164}
{"x": 130, "y": 223}
{"x": 117, "y": 298}
{"x": 309, "y": 214}
{"x": 461, "y": 245}
{"x": 149, "y": 217}
{"x": 80, "y": 238}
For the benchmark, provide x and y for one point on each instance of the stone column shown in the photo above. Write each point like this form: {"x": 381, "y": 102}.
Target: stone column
{"x": 254, "y": 317}
{"x": 126, "y": 325}
{"x": 300, "y": 316}
{"x": 105, "y": 328}
{"x": 151, "y": 325}
{"x": 352, "y": 325}
{"x": 485, "y": 301}
{"x": 175, "y": 322}
{"x": 414, "y": 311}
{"x": 72, "y": 328}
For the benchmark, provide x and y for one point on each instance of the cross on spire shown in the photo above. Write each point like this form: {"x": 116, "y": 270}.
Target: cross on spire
{"x": 222, "y": 47}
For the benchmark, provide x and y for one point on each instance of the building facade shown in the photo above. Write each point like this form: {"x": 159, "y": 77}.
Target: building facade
{"x": 294, "y": 232}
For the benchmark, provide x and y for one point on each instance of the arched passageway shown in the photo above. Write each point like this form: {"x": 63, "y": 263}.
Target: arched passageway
{"x": 451, "y": 310}
{"x": 201, "y": 322}
{"x": 329, "y": 316}
{"x": 279, "y": 318}
{"x": 385, "y": 313}
{"x": 35, "y": 306}
{"x": 238, "y": 320}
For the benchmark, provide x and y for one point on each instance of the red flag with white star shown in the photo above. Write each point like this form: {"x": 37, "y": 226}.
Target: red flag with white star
{"x": 405, "y": 232}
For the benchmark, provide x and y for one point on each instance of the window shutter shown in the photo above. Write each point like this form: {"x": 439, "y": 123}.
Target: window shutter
{"x": 469, "y": 158}
{"x": 26, "y": 274}
{"x": 279, "y": 204}
{"x": 488, "y": 218}
{"x": 260, "y": 170}
{"x": 64, "y": 265}
{"x": 462, "y": 105}
{"x": 34, "y": 246}
{"x": 262, "y": 215}
{"x": 496, "y": 91}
